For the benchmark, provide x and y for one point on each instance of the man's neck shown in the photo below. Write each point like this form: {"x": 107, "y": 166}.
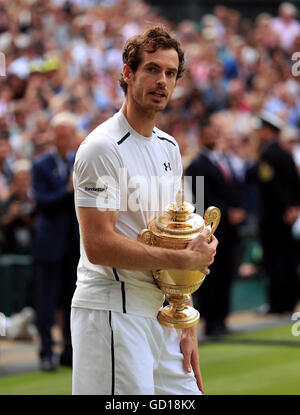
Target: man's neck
{"x": 140, "y": 120}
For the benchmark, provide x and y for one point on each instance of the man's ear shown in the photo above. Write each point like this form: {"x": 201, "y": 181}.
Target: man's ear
{"x": 127, "y": 73}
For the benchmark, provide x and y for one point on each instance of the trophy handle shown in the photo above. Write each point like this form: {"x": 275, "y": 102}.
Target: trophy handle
{"x": 212, "y": 217}
{"x": 146, "y": 236}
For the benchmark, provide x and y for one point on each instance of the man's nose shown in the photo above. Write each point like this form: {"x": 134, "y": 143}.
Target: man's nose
{"x": 161, "y": 80}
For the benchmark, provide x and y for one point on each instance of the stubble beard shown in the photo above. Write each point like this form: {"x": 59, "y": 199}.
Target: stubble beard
{"x": 151, "y": 109}
{"x": 141, "y": 106}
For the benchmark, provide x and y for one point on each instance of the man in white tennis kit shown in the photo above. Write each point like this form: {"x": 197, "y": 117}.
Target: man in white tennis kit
{"x": 125, "y": 173}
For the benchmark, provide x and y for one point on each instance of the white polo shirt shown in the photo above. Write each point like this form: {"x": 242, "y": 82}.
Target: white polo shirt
{"x": 117, "y": 168}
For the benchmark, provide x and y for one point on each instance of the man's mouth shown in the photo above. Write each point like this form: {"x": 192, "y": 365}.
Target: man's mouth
{"x": 158, "y": 94}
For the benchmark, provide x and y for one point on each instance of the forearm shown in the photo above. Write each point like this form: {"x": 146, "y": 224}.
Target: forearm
{"x": 118, "y": 251}
{"x": 104, "y": 246}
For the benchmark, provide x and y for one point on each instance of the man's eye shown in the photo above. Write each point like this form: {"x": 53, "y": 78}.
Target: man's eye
{"x": 151, "y": 69}
{"x": 171, "y": 74}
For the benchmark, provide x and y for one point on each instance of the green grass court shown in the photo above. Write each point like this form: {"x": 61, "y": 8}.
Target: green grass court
{"x": 260, "y": 363}
{"x": 265, "y": 362}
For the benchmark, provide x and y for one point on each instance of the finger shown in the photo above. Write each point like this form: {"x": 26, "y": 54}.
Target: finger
{"x": 200, "y": 383}
{"x": 187, "y": 362}
{"x": 197, "y": 373}
{"x": 213, "y": 254}
{"x": 213, "y": 241}
{"x": 199, "y": 380}
{"x": 206, "y": 234}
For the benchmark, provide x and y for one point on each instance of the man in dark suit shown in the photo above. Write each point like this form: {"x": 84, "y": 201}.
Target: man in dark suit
{"x": 56, "y": 244}
{"x": 278, "y": 185}
{"x": 221, "y": 189}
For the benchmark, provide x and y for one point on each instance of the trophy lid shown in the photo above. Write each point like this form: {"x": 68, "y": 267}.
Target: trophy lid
{"x": 179, "y": 218}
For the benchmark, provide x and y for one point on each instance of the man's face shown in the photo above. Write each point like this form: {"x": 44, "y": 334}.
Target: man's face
{"x": 287, "y": 16}
{"x": 21, "y": 183}
{"x": 265, "y": 133}
{"x": 209, "y": 137}
{"x": 63, "y": 135}
{"x": 4, "y": 149}
{"x": 151, "y": 86}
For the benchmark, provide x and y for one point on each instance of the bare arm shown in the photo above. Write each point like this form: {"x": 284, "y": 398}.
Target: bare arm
{"x": 106, "y": 247}
{"x": 189, "y": 349}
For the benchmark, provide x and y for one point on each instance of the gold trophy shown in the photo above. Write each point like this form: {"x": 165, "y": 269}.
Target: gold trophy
{"x": 175, "y": 228}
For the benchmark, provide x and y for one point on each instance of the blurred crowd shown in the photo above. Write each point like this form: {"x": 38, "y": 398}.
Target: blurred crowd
{"x": 65, "y": 56}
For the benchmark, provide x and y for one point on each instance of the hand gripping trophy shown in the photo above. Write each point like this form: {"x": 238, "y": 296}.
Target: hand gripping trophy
{"x": 175, "y": 228}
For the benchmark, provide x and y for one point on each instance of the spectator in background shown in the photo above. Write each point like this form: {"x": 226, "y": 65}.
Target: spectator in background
{"x": 5, "y": 168}
{"x": 278, "y": 185}
{"x": 286, "y": 26}
{"x": 17, "y": 218}
{"x": 263, "y": 33}
{"x": 215, "y": 92}
{"x": 290, "y": 141}
{"x": 221, "y": 189}
{"x": 56, "y": 247}
{"x": 283, "y": 103}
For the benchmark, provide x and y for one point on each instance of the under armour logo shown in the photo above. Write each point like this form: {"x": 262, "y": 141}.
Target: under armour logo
{"x": 167, "y": 166}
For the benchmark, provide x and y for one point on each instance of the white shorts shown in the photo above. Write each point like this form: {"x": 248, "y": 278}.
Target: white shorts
{"x": 125, "y": 354}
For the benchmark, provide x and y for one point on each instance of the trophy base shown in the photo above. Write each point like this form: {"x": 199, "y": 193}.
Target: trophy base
{"x": 171, "y": 317}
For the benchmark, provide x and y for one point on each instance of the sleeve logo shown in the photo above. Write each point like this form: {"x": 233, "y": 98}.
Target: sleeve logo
{"x": 96, "y": 189}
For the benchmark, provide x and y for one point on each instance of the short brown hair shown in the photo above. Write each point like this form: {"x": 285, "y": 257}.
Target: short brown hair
{"x": 153, "y": 38}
